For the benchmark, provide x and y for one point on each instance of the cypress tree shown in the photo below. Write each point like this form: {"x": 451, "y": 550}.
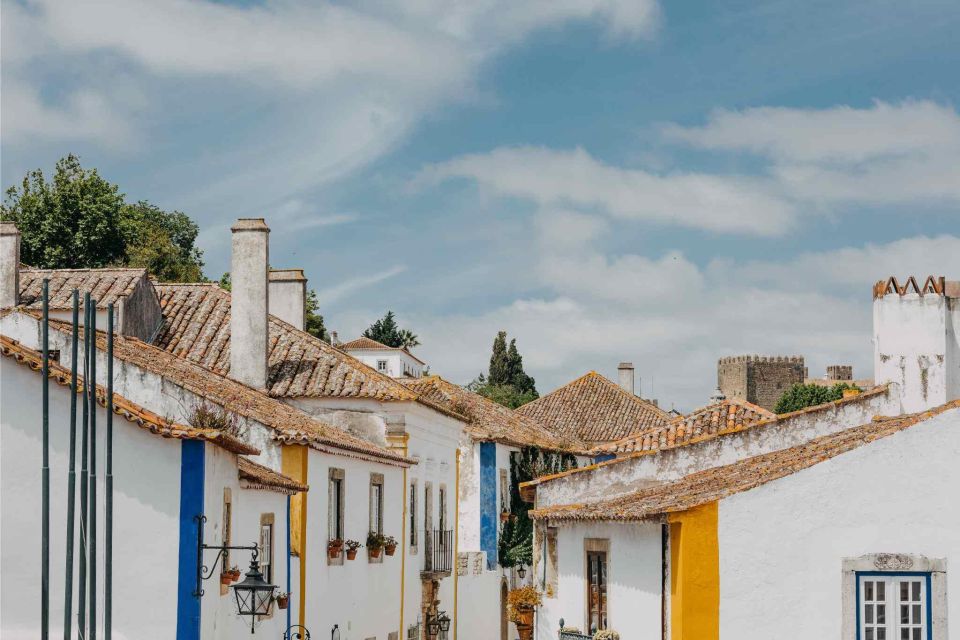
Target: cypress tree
{"x": 499, "y": 373}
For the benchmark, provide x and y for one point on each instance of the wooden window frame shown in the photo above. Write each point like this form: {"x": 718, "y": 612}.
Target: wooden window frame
{"x": 336, "y": 510}
{"x": 267, "y": 556}
{"x": 593, "y": 547}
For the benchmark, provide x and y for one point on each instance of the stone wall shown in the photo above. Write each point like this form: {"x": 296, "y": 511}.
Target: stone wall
{"x": 759, "y": 379}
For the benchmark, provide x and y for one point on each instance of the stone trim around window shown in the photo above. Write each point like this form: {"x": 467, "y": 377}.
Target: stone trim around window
{"x": 895, "y": 563}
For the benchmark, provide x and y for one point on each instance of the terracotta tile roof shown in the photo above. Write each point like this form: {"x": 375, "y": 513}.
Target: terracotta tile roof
{"x": 717, "y": 483}
{"x": 289, "y": 424}
{"x": 105, "y": 285}
{"x": 594, "y": 410}
{"x": 363, "y": 342}
{"x": 133, "y": 412}
{"x": 488, "y": 420}
{"x": 196, "y": 327}
{"x": 723, "y": 416}
{"x": 257, "y": 476}
{"x": 710, "y": 435}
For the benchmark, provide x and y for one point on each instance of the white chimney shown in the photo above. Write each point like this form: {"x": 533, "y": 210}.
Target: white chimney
{"x": 625, "y": 371}
{"x": 9, "y": 264}
{"x": 250, "y": 294}
{"x": 916, "y": 340}
{"x": 288, "y": 296}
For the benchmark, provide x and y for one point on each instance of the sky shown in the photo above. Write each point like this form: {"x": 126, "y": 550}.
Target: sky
{"x": 605, "y": 180}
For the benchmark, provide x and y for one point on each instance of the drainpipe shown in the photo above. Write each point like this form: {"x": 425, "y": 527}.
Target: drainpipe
{"x": 71, "y": 476}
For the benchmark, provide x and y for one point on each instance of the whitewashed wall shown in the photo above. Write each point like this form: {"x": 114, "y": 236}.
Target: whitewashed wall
{"x": 146, "y": 515}
{"x": 635, "y": 575}
{"x": 782, "y": 544}
{"x": 619, "y": 478}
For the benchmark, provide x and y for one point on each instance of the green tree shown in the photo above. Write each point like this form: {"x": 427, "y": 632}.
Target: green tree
{"x": 387, "y": 331}
{"x": 800, "y": 396}
{"x": 72, "y": 221}
{"x": 80, "y": 220}
{"x": 314, "y": 321}
{"x": 505, "y": 382}
{"x": 515, "y": 544}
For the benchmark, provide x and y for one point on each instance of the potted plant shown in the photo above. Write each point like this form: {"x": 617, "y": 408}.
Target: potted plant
{"x": 335, "y": 548}
{"x": 352, "y": 546}
{"x": 521, "y": 602}
{"x": 504, "y": 515}
{"x": 230, "y": 575}
{"x": 283, "y": 600}
{"x": 375, "y": 542}
{"x": 390, "y": 545}
{"x": 606, "y": 634}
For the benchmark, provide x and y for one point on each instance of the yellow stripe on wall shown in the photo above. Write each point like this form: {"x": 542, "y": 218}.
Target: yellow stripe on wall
{"x": 294, "y": 464}
{"x": 694, "y": 574}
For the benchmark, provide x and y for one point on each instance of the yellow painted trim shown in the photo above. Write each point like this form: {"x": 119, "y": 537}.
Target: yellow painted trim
{"x": 694, "y": 574}
{"x": 456, "y": 550}
{"x": 295, "y": 464}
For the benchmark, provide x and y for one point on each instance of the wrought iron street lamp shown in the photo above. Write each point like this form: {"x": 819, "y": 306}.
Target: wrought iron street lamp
{"x": 444, "y": 621}
{"x": 521, "y": 572}
{"x": 433, "y": 625}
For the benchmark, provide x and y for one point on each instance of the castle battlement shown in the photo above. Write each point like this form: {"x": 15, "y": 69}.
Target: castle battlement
{"x": 758, "y": 358}
{"x": 933, "y": 285}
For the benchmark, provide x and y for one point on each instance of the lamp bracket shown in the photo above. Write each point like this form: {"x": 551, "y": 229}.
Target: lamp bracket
{"x": 203, "y": 571}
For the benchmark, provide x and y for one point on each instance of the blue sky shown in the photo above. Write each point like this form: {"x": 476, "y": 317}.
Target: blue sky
{"x": 604, "y": 179}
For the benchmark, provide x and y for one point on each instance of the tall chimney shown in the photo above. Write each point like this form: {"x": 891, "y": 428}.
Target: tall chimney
{"x": 248, "y": 313}
{"x": 9, "y": 264}
{"x": 625, "y": 370}
{"x": 288, "y": 296}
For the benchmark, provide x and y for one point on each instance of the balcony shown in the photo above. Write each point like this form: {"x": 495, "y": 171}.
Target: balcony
{"x": 438, "y": 556}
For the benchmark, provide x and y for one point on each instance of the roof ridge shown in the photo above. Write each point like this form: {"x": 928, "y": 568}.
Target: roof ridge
{"x": 122, "y": 406}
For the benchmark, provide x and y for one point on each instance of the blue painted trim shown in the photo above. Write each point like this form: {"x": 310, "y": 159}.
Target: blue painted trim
{"x": 488, "y": 502}
{"x": 924, "y": 574}
{"x": 289, "y": 607}
{"x": 192, "y": 473}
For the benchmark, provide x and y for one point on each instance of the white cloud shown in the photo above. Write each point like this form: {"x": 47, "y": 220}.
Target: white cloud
{"x": 674, "y": 319}
{"x": 350, "y": 286}
{"x": 575, "y": 178}
{"x": 811, "y": 162}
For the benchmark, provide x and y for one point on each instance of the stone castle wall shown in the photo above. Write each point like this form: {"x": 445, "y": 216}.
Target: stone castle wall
{"x": 759, "y": 379}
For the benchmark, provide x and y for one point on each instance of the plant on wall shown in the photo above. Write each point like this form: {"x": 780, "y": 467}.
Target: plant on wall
{"x": 515, "y": 545}
{"x": 800, "y": 396}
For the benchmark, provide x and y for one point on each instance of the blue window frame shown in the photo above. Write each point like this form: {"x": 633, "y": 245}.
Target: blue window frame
{"x": 892, "y": 606}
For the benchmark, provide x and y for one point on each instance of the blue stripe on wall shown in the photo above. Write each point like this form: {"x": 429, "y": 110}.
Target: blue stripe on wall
{"x": 488, "y": 501}
{"x": 192, "y": 474}
{"x": 289, "y": 588}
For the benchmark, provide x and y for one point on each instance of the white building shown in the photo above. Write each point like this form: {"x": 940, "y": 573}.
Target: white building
{"x": 688, "y": 532}
{"x": 391, "y": 361}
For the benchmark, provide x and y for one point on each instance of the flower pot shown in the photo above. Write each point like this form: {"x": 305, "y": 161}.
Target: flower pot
{"x": 226, "y": 578}
{"x": 374, "y": 552}
{"x": 283, "y": 602}
{"x": 391, "y": 549}
{"x": 334, "y": 550}
{"x": 351, "y": 554}
{"x": 525, "y": 616}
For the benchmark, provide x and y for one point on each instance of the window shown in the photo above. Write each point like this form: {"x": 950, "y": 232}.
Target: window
{"x": 266, "y": 546}
{"x": 376, "y": 502}
{"x": 427, "y": 507}
{"x": 382, "y": 366}
{"x": 413, "y": 515}
{"x": 443, "y": 508}
{"x": 893, "y": 606}
{"x": 335, "y": 505}
{"x": 596, "y": 551}
{"x": 227, "y": 537}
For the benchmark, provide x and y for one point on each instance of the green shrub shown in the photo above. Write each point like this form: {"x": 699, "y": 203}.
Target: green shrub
{"x": 800, "y": 396}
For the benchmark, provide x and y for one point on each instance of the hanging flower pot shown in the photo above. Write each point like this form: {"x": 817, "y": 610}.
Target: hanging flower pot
{"x": 390, "y": 545}
{"x": 283, "y": 600}
{"x": 334, "y": 548}
{"x": 352, "y": 546}
{"x": 375, "y": 543}
{"x": 229, "y": 576}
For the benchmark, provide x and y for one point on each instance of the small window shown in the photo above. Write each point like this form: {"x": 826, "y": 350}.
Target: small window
{"x": 266, "y": 546}
{"x": 413, "y": 515}
{"x": 893, "y": 606}
{"x": 427, "y": 507}
{"x": 227, "y": 537}
{"x": 443, "y": 508}
{"x": 597, "y": 590}
{"x": 376, "y": 502}
{"x": 335, "y": 527}
{"x": 382, "y": 366}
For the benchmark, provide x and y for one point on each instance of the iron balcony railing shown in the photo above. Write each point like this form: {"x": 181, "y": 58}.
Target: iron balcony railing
{"x": 572, "y": 635}
{"x": 439, "y": 551}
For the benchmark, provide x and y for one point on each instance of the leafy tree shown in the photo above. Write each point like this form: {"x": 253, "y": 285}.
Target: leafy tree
{"x": 506, "y": 382}
{"x": 72, "y": 221}
{"x": 515, "y": 545}
{"x": 800, "y": 396}
{"x": 79, "y": 220}
{"x": 314, "y": 321}
{"x": 387, "y": 331}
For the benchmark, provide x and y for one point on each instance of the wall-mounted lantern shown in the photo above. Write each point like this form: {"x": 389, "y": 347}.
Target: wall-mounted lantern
{"x": 521, "y": 572}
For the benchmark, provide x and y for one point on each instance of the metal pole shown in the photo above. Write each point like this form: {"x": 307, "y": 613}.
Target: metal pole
{"x": 93, "y": 470}
{"x": 84, "y": 473}
{"x": 71, "y": 476}
{"x": 45, "y": 472}
{"x": 108, "y": 542}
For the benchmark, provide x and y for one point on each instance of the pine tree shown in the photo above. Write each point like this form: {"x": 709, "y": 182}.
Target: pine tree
{"x": 387, "y": 331}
